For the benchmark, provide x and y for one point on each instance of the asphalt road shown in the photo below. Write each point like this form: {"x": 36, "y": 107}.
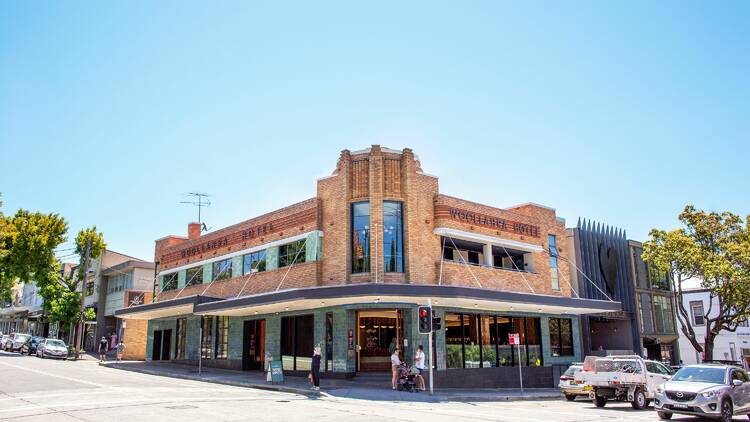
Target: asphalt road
{"x": 33, "y": 389}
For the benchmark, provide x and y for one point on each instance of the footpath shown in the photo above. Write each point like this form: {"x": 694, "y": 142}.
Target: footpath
{"x": 365, "y": 387}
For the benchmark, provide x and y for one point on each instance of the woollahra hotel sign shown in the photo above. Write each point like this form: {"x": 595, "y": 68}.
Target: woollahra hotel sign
{"x": 496, "y": 223}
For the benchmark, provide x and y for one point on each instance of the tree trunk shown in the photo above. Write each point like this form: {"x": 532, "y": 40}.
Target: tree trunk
{"x": 708, "y": 347}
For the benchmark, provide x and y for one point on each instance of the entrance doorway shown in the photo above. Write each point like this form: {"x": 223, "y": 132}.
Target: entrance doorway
{"x": 162, "y": 345}
{"x": 376, "y": 332}
{"x": 253, "y": 344}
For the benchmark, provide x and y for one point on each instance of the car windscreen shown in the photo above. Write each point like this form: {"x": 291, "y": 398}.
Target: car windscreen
{"x": 22, "y": 337}
{"x": 572, "y": 370}
{"x": 55, "y": 343}
{"x": 700, "y": 374}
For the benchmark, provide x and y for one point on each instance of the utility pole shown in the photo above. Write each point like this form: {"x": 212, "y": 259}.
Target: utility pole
{"x": 79, "y": 337}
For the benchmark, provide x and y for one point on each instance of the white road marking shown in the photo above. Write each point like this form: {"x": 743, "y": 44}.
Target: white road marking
{"x": 54, "y": 375}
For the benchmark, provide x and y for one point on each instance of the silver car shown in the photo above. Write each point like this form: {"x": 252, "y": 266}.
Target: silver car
{"x": 52, "y": 348}
{"x": 706, "y": 390}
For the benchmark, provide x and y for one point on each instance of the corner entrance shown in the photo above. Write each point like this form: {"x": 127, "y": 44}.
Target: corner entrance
{"x": 376, "y": 334}
{"x": 253, "y": 350}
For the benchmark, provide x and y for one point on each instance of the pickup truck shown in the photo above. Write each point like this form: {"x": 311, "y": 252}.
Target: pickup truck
{"x": 622, "y": 378}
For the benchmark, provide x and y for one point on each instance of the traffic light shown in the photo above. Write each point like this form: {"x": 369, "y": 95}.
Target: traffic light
{"x": 425, "y": 320}
{"x": 436, "y": 323}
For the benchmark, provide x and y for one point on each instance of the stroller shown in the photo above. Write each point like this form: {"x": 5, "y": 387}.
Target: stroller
{"x": 407, "y": 378}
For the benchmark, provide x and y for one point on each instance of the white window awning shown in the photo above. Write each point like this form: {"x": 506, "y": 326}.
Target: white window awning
{"x": 483, "y": 238}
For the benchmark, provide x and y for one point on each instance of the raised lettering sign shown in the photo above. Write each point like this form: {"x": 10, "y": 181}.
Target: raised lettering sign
{"x": 496, "y": 223}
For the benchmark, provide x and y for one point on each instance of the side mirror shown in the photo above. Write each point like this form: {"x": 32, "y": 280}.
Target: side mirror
{"x": 737, "y": 383}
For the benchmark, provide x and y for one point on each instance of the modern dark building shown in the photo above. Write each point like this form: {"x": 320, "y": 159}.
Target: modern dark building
{"x": 603, "y": 271}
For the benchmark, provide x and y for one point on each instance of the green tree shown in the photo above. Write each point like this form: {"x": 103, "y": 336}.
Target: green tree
{"x": 28, "y": 248}
{"x": 715, "y": 249}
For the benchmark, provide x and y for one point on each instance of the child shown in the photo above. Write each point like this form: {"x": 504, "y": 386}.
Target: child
{"x": 120, "y": 350}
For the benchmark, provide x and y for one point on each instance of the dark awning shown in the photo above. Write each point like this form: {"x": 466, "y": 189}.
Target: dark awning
{"x": 450, "y": 296}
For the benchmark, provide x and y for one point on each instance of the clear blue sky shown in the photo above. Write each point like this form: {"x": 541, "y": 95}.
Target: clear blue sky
{"x": 619, "y": 112}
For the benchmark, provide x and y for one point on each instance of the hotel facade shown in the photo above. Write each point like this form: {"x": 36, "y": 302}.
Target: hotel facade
{"x": 347, "y": 269}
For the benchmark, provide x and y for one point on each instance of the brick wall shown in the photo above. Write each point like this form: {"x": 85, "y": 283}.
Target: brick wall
{"x": 377, "y": 175}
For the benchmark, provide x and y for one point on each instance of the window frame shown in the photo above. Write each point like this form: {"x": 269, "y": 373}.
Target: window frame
{"x": 399, "y": 257}
{"x": 221, "y": 339}
{"x": 559, "y": 347}
{"x": 217, "y": 273}
{"x": 257, "y": 257}
{"x": 171, "y": 279}
{"x": 364, "y": 244}
{"x": 207, "y": 326}
{"x": 289, "y": 258}
{"x": 693, "y": 304}
{"x": 195, "y": 279}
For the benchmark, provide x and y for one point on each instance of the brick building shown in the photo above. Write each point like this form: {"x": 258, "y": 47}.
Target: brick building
{"x": 346, "y": 270}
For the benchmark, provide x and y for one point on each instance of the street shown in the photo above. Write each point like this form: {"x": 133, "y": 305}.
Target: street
{"x": 44, "y": 390}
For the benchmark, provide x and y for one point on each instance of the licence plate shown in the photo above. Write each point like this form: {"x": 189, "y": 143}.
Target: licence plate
{"x": 680, "y": 406}
{"x": 587, "y": 388}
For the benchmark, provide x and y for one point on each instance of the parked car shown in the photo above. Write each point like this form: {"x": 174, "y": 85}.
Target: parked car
{"x": 568, "y": 384}
{"x": 4, "y": 340}
{"x": 31, "y": 344}
{"x": 707, "y": 390}
{"x": 622, "y": 378}
{"x": 52, "y": 348}
{"x": 16, "y": 342}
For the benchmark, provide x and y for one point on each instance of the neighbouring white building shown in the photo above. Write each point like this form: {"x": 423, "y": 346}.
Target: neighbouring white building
{"x": 727, "y": 345}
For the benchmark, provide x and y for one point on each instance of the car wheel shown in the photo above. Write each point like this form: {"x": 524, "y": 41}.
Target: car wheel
{"x": 664, "y": 415}
{"x": 600, "y": 401}
{"x": 570, "y": 397}
{"x": 639, "y": 400}
{"x": 726, "y": 411}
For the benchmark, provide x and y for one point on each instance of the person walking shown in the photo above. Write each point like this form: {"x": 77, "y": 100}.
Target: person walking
{"x": 315, "y": 369}
{"x": 419, "y": 361}
{"x": 395, "y": 363}
{"x": 103, "y": 347}
{"x": 120, "y": 350}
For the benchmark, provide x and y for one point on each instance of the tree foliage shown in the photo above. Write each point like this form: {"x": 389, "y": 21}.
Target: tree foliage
{"x": 27, "y": 254}
{"x": 28, "y": 243}
{"x": 715, "y": 249}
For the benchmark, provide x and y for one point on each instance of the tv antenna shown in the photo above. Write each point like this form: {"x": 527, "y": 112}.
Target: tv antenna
{"x": 200, "y": 201}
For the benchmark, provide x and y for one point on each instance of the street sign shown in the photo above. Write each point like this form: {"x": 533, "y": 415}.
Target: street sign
{"x": 514, "y": 339}
{"x": 277, "y": 372}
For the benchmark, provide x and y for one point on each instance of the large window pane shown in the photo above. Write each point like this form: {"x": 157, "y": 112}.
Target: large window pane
{"x": 193, "y": 276}
{"x": 488, "y": 341}
{"x": 393, "y": 237}
{"x": 505, "y": 351}
{"x": 169, "y": 282}
{"x": 471, "y": 342}
{"x": 207, "y": 324}
{"x": 179, "y": 352}
{"x": 287, "y": 343}
{"x": 292, "y": 253}
{"x": 304, "y": 342}
{"x": 222, "y": 337}
{"x": 254, "y": 262}
{"x": 534, "y": 342}
{"x": 519, "y": 326}
{"x": 561, "y": 336}
{"x": 222, "y": 270}
{"x": 453, "y": 341}
{"x": 360, "y": 237}
{"x": 297, "y": 342}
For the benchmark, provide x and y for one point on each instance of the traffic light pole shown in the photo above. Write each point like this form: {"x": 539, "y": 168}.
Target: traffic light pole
{"x": 429, "y": 303}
